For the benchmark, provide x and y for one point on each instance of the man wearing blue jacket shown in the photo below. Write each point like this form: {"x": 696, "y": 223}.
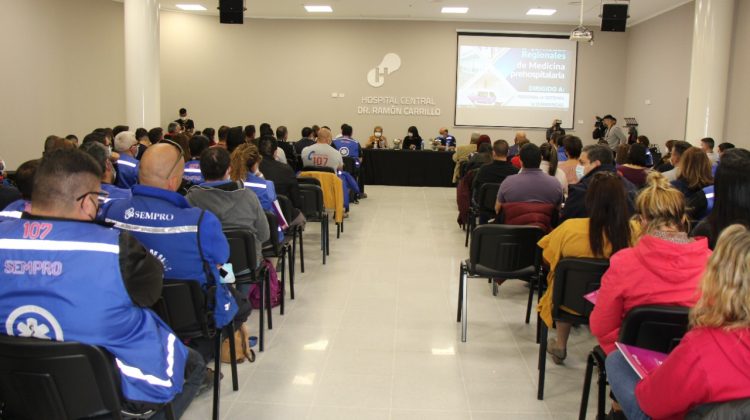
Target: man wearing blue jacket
{"x": 188, "y": 241}
{"x": 67, "y": 279}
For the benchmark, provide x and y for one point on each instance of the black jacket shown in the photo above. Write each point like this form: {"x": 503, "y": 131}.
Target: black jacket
{"x": 283, "y": 178}
{"x": 575, "y": 205}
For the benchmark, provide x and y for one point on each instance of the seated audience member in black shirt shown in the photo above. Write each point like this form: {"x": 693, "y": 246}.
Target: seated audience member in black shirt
{"x": 282, "y": 176}
{"x": 412, "y": 141}
{"x": 308, "y": 139}
{"x": 495, "y": 171}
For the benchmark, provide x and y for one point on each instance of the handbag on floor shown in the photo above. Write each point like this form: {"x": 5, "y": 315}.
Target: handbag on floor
{"x": 241, "y": 347}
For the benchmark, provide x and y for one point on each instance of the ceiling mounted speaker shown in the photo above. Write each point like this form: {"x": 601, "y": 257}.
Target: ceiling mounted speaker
{"x": 232, "y": 11}
{"x": 614, "y": 17}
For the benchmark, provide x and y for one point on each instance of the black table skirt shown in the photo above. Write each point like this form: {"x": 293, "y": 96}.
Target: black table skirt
{"x": 414, "y": 168}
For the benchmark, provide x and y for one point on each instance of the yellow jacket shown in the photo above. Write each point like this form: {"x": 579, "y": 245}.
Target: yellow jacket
{"x": 333, "y": 191}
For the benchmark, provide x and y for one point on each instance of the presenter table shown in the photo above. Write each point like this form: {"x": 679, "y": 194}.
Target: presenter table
{"x": 414, "y": 168}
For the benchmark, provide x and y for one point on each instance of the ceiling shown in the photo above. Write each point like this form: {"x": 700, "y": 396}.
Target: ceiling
{"x": 479, "y": 10}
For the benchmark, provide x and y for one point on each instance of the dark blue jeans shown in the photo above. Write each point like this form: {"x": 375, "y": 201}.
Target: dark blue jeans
{"x": 623, "y": 379}
{"x": 195, "y": 372}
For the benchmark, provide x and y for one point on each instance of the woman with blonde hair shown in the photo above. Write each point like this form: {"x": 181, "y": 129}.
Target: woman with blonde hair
{"x": 663, "y": 268}
{"x": 712, "y": 362}
{"x": 377, "y": 140}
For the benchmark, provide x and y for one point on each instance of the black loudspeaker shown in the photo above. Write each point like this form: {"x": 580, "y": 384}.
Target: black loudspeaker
{"x": 232, "y": 11}
{"x": 614, "y": 17}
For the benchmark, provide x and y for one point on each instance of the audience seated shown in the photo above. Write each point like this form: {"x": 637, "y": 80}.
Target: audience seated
{"x": 306, "y": 140}
{"x": 732, "y": 196}
{"x": 678, "y": 148}
{"x": 321, "y": 153}
{"x": 572, "y": 146}
{"x": 495, "y": 171}
{"x": 482, "y": 156}
{"x": 101, "y": 155}
{"x": 98, "y": 294}
{"x": 663, "y": 268}
{"x": 518, "y": 141}
{"x": 188, "y": 241}
{"x": 237, "y": 207}
{"x": 282, "y": 176}
{"x": 665, "y": 164}
{"x": 144, "y": 141}
{"x": 221, "y": 136}
{"x": 643, "y": 140}
{"x": 707, "y": 145}
{"x": 712, "y": 362}
{"x": 594, "y": 159}
{"x": 531, "y": 184}
{"x": 695, "y": 175}
{"x": 282, "y": 137}
{"x": 346, "y": 145}
{"x": 126, "y": 144}
{"x": 197, "y": 144}
{"x": 462, "y": 155}
{"x": 635, "y": 169}
{"x": 723, "y": 147}
{"x": 516, "y": 160}
{"x": 621, "y": 154}
{"x": 606, "y": 231}
{"x": 25, "y": 184}
{"x": 8, "y": 195}
{"x": 244, "y": 168}
{"x": 549, "y": 165}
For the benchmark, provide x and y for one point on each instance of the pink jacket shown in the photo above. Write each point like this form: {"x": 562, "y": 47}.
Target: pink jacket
{"x": 654, "y": 272}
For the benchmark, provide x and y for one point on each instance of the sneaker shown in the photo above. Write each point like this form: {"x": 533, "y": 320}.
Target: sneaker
{"x": 363, "y": 195}
{"x": 558, "y": 355}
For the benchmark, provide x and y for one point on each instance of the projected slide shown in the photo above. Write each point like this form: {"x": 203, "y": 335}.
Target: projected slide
{"x": 515, "y": 81}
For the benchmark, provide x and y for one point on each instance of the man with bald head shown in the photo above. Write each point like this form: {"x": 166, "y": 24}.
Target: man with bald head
{"x": 520, "y": 137}
{"x": 188, "y": 241}
{"x": 447, "y": 141}
{"x": 322, "y": 153}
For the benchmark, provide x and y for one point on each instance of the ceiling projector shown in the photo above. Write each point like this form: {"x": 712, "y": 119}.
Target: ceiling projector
{"x": 582, "y": 34}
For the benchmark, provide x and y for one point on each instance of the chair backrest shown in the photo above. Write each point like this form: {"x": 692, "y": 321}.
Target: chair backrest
{"x": 541, "y": 215}
{"x": 575, "y": 277}
{"x": 728, "y": 410}
{"x": 655, "y": 327}
{"x": 312, "y": 201}
{"x": 302, "y": 180}
{"x": 349, "y": 164}
{"x": 183, "y": 307}
{"x": 487, "y": 196}
{"x": 242, "y": 254}
{"x": 318, "y": 169}
{"x": 273, "y": 227}
{"x": 286, "y": 206}
{"x": 42, "y": 379}
{"x": 505, "y": 248}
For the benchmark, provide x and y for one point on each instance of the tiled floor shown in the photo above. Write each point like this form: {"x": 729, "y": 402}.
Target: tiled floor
{"x": 373, "y": 334}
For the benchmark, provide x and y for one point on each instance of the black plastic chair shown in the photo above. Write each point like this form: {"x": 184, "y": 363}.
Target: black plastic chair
{"x": 350, "y": 165}
{"x": 653, "y": 327}
{"x": 183, "y": 306}
{"x": 484, "y": 204}
{"x": 729, "y": 410}
{"x": 51, "y": 380}
{"x": 307, "y": 180}
{"x": 246, "y": 271}
{"x": 314, "y": 211}
{"x": 500, "y": 251}
{"x": 318, "y": 169}
{"x": 574, "y": 277}
{"x": 290, "y": 239}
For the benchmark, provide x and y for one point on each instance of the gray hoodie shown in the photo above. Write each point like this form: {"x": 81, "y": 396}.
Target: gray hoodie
{"x": 236, "y": 207}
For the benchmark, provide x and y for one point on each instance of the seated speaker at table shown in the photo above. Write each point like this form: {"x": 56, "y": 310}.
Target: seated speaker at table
{"x": 412, "y": 141}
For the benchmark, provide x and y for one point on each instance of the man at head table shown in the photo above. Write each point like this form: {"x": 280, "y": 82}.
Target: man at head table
{"x": 447, "y": 141}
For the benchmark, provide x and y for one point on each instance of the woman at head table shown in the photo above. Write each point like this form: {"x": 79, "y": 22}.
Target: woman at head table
{"x": 377, "y": 140}
{"x": 412, "y": 141}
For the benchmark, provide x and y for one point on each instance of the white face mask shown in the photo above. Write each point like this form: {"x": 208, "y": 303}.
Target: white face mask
{"x": 410, "y": 134}
{"x": 378, "y": 134}
{"x": 580, "y": 171}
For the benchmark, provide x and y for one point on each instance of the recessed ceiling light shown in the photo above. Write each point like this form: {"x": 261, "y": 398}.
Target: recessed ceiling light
{"x": 541, "y": 12}
{"x": 191, "y": 7}
{"x": 318, "y": 9}
{"x": 455, "y": 9}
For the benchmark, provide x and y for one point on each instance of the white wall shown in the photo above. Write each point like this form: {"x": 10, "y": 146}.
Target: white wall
{"x": 284, "y": 71}
{"x": 62, "y": 72}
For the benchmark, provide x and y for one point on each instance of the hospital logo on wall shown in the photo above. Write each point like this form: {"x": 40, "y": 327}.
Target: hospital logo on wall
{"x": 33, "y": 321}
{"x": 390, "y": 63}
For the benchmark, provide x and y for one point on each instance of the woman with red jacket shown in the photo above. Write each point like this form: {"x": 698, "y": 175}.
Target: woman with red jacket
{"x": 662, "y": 269}
{"x": 712, "y": 362}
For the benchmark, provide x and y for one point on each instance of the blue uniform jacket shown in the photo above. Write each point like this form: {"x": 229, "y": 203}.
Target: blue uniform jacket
{"x": 61, "y": 280}
{"x": 14, "y": 210}
{"x": 192, "y": 172}
{"x": 127, "y": 171}
{"x": 347, "y": 147}
{"x": 266, "y": 192}
{"x": 176, "y": 233}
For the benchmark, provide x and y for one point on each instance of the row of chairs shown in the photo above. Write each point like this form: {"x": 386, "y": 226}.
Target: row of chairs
{"x": 510, "y": 252}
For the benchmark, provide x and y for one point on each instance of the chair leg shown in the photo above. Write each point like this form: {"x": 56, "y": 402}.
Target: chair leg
{"x": 542, "y": 363}
{"x": 463, "y": 306}
{"x": 531, "y": 299}
{"x": 217, "y": 374}
{"x": 601, "y": 400}
{"x": 460, "y": 292}
{"x": 229, "y": 329}
{"x": 283, "y": 280}
{"x": 468, "y": 230}
{"x": 292, "y": 270}
{"x": 269, "y": 312}
{"x": 338, "y": 230}
{"x": 261, "y": 314}
{"x": 328, "y": 238}
{"x": 494, "y": 287}
{"x": 169, "y": 411}
{"x": 301, "y": 256}
{"x": 586, "y": 387}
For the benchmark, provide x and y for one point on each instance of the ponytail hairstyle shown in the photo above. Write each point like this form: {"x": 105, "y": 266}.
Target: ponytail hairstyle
{"x": 607, "y": 204}
{"x": 725, "y": 286}
{"x": 660, "y": 205}
{"x": 549, "y": 153}
{"x": 244, "y": 157}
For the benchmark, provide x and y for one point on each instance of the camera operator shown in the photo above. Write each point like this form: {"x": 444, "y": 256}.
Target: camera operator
{"x": 599, "y": 130}
{"x": 613, "y": 135}
{"x": 555, "y": 129}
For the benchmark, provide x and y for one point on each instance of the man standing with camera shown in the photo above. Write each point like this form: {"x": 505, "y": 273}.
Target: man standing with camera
{"x": 612, "y": 135}
{"x": 555, "y": 129}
